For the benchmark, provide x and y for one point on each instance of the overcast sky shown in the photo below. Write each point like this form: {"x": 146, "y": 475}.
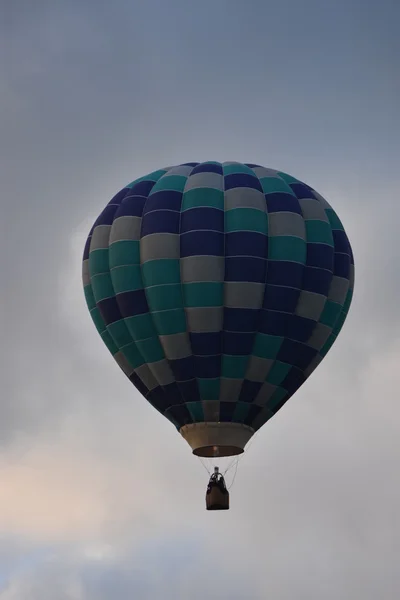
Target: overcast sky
{"x": 100, "y": 498}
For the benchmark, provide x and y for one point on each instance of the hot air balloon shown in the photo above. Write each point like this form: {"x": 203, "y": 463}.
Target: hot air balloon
{"x": 218, "y": 288}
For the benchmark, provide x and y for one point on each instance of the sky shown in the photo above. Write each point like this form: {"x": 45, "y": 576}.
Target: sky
{"x": 100, "y": 498}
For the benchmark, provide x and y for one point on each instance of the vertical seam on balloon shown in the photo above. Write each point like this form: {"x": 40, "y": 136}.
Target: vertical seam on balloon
{"x": 259, "y": 315}
{"x": 181, "y": 288}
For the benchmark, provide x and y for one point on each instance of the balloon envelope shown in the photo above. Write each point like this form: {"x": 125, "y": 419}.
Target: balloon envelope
{"x": 218, "y": 288}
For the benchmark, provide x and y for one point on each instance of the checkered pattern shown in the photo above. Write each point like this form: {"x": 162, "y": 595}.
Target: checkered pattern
{"x": 218, "y": 288}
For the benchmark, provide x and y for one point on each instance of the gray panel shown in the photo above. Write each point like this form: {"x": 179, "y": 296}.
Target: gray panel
{"x": 208, "y": 180}
{"x": 176, "y": 345}
{"x": 159, "y": 245}
{"x": 211, "y": 410}
{"x": 100, "y": 237}
{"x": 286, "y": 223}
{"x": 264, "y": 172}
{"x": 124, "y": 363}
{"x": 319, "y": 336}
{"x": 242, "y": 197}
{"x": 266, "y": 392}
{"x": 313, "y": 209}
{"x": 230, "y": 389}
{"x": 184, "y": 170}
{"x": 147, "y": 376}
{"x": 261, "y": 418}
{"x": 202, "y": 268}
{"x": 85, "y": 272}
{"x": 125, "y": 228}
{"x": 162, "y": 372}
{"x": 310, "y": 305}
{"x": 258, "y": 368}
{"x": 313, "y": 365}
{"x": 243, "y": 294}
{"x": 338, "y": 289}
{"x": 204, "y": 319}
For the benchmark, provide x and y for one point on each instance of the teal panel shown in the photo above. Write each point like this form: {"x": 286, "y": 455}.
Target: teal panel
{"x": 203, "y": 197}
{"x": 209, "y": 388}
{"x": 278, "y": 372}
{"x": 267, "y": 346}
{"x": 120, "y": 333}
{"x": 203, "y": 294}
{"x": 158, "y": 272}
{"x": 196, "y": 411}
{"x": 272, "y": 185}
{"x": 234, "y": 367}
{"x": 164, "y": 297}
{"x": 318, "y": 232}
{"x": 246, "y": 219}
{"x": 126, "y": 279}
{"x": 169, "y": 322}
{"x": 141, "y": 326}
{"x": 287, "y": 247}
{"x": 151, "y": 349}
{"x": 102, "y": 287}
{"x": 125, "y": 252}
{"x": 98, "y": 261}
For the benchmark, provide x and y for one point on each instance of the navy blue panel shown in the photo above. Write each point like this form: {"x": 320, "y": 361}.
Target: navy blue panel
{"x": 317, "y": 280}
{"x": 132, "y": 303}
{"x": 173, "y": 393}
{"x": 189, "y": 390}
{"x": 107, "y": 216}
{"x": 240, "y": 319}
{"x": 246, "y": 243}
{"x": 249, "y": 390}
{"x": 293, "y": 380}
{"x": 158, "y": 399}
{"x": 202, "y": 218}
{"x": 143, "y": 188}
{"x": 340, "y": 241}
{"x": 117, "y": 199}
{"x": 160, "y": 221}
{"x": 320, "y": 255}
{"x": 167, "y": 199}
{"x": 189, "y": 164}
{"x": 236, "y": 180}
{"x": 282, "y": 272}
{"x": 180, "y": 414}
{"x": 351, "y": 255}
{"x": 206, "y": 343}
{"x": 132, "y": 206}
{"x": 282, "y": 201}
{"x": 342, "y": 265}
{"x": 244, "y": 268}
{"x": 296, "y": 354}
{"x": 300, "y": 328}
{"x": 198, "y": 243}
{"x": 254, "y": 411}
{"x": 207, "y": 168}
{"x": 238, "y": 343}
{"x": 109, "y": 310}
{"x": 281, "y": 298}
{"x": 139, "y": 385}
{"x": 251, "y": 165}
{"x": 226, "y": 410}
{"x": 183, "y": 368}
{"x": 303, "y": 191}
{"x": 207, "y": 366}
{"x": 274, "y": 323}
{"x": 87, "y": 248}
